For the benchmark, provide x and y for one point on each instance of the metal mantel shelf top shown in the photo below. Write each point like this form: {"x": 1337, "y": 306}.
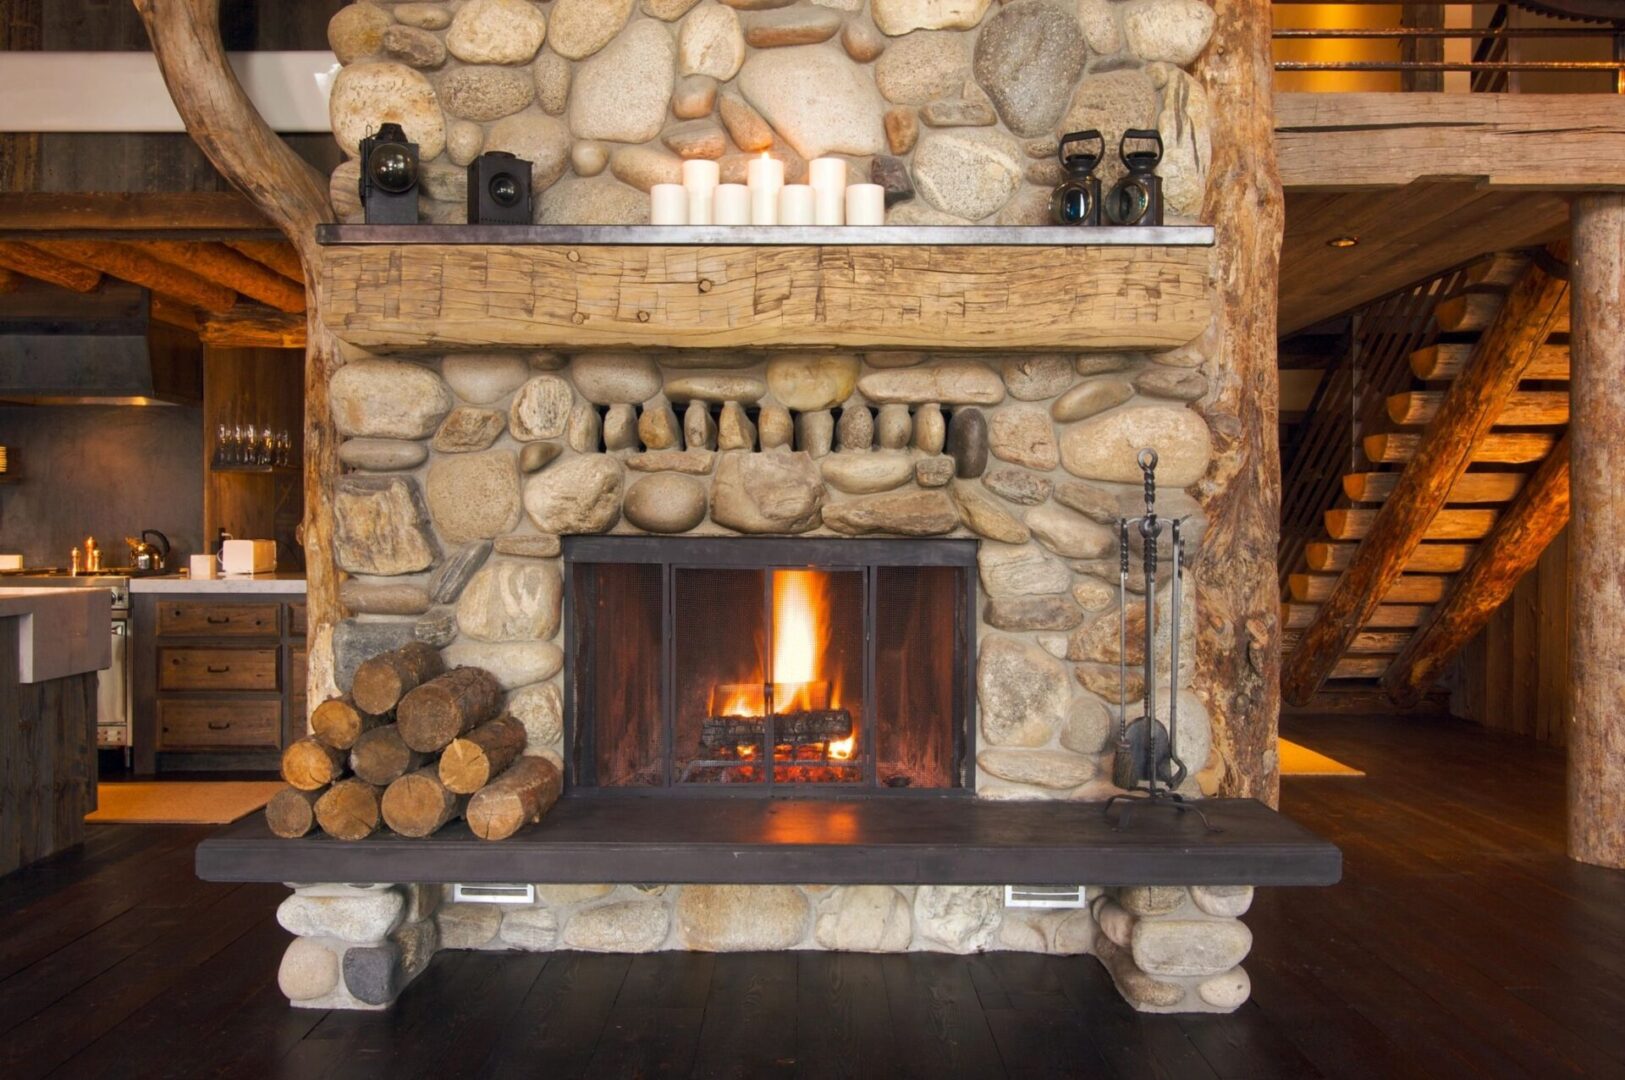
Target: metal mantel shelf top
{"x": 775, "y": 235}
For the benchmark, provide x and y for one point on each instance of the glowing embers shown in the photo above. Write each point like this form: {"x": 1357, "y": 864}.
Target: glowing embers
{"x": 792, "y": 709}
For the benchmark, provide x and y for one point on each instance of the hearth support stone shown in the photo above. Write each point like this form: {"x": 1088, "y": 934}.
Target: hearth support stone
{"x": 1169, "y": 949}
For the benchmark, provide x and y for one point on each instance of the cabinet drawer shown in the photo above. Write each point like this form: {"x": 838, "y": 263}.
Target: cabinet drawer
{"x": 296, "y": 620}
{"x": 188, "y": 725}
{"x": 191, "y": 618}
{"x": 217, "y": 669}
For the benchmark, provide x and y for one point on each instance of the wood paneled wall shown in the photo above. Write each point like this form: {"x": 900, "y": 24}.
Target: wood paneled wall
{"x": 1514, "y": 676}
{"x": 259, "y": 387}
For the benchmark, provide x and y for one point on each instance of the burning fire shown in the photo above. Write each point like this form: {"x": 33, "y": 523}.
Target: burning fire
{"x": 799, "y": 676}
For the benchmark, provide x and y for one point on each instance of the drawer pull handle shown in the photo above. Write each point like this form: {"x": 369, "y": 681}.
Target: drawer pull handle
{"x": 212, "y": 621}
{"x": 219, "y": 725}
{"x": 212, "y": 670}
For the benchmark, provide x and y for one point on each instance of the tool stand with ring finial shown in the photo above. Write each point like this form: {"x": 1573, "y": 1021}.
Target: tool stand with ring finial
{"x": 1146, "y": 763}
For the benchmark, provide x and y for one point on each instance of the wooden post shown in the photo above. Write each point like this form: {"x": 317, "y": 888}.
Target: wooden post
{"x": 293, "y": 195}
{"x": 1238, "y": 605}
{"x": 1596, "y": 736}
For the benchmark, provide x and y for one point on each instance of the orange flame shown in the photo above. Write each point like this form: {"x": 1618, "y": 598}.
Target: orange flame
{"x": 801, "y": 617}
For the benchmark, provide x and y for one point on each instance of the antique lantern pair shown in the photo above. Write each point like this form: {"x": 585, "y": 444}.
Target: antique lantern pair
{"x": 1136, "y": 199}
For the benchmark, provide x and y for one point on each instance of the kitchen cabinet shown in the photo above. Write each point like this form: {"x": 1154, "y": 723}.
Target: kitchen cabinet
{"x": 217, "y": 678}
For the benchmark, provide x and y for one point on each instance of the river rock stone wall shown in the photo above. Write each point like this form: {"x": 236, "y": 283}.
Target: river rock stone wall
{"x": 955, "y": 108}
{"x": 462, "y": 474}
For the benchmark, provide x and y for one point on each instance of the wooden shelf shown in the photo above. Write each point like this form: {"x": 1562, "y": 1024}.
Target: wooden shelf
{"x": 456, "y": 287}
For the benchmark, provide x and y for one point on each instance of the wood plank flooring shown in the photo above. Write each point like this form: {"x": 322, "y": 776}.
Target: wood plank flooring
{"x": 1461, "y": 943}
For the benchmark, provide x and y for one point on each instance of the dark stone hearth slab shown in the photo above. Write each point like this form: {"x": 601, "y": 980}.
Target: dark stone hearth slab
{"x": 719, "y": 840}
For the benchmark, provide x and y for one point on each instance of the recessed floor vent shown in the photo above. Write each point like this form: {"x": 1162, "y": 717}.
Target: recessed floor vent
{"x": 494, "y": 894}
{"x": 1045, "y": 896}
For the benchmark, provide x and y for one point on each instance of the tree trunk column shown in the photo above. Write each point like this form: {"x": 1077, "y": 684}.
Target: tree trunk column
{"x": 1596, "y": 739}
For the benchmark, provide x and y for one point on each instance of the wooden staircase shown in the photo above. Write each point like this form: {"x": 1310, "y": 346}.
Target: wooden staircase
{"x": 1524, "y": 432}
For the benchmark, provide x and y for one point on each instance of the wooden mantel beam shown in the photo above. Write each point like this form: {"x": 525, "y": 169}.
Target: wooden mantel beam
{"x": 1445, "y": 449}
{"x": 1551, "y": 142}
{"x": 1534, "y": 519}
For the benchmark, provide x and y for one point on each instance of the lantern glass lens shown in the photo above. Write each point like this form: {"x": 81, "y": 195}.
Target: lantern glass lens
{"x": 1129, "y": 202}
{"x": 391, "y": 168}
{"x": 1073, "y": 206}
{"x": 504, "y": 189}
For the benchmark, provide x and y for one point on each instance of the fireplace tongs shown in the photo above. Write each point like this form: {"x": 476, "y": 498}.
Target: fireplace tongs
{"x": 1146, "y": 764}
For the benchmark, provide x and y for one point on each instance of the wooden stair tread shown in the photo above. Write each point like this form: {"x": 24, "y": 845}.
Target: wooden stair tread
{"x": 1296, "y": 616}
{"x": 1346, "y": 523}
{"x": 1408, "y": 589}
{"x": 1435, "y": 558}
{"x": 1361, "y": 667}
{"x": 1366, "y": 642}
{"x": 1509, "y": 448}
{"x": 1482, "y": 487}
{"x": 1523, "y": 408}
{"x": 1446, "y": 361}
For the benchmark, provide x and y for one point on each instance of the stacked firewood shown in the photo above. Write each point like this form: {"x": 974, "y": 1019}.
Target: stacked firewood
{"x": 409, "y": 748}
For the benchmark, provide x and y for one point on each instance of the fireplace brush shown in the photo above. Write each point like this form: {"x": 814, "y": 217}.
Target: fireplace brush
{"x": 1146, "y": 762}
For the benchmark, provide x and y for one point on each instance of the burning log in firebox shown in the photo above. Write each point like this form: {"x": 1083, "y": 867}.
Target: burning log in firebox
{"x": 410, "y": 749}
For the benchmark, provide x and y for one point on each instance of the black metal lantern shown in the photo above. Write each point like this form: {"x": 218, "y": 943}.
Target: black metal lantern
{"x": 1076, "y": 200}
{"x": 1136, "y": 199}
{"x": 498, "y": 189}
{"x": 389, "y": 177}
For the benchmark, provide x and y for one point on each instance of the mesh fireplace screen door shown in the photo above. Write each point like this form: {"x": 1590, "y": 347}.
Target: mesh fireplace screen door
{"x": 617, "y": 633}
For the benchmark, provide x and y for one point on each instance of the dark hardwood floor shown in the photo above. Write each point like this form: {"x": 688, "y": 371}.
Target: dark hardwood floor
{"x": 1461, "y": 943}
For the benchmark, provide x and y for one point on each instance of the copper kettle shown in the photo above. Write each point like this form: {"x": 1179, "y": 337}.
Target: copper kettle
{"x": 146, "y": 556}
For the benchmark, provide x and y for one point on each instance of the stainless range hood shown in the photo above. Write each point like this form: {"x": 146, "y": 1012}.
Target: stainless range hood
{"x": 101, "y": 348}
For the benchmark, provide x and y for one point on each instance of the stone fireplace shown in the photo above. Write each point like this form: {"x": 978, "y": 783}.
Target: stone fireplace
{"x": 776, "y": 526}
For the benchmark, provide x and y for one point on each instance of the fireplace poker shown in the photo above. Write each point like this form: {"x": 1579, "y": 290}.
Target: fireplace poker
{"x": 1123, "y": 770}
{"x": 1147, "y": 756}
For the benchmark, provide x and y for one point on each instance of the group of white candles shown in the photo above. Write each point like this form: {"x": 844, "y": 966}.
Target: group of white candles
{"x": 766, "y": 199}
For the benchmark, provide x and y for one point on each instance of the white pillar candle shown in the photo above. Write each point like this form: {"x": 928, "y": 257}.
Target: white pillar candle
{"x": 732, "y": 205}
{"x": 669, "y": 205}
{"x": 700, "y": 181}
{"x": 828, "y": 179}
{"x": 765, "y": 177}
{"x": 866, "y": 204}
{"x": 795, "y": 205}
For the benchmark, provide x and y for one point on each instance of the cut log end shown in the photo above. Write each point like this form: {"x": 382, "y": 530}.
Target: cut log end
{"x": 470, "y": 762}
{"x": 291, "y": 813}
{"x": 434, "y": 714}
{"x": 520, "y": 796}
{"x": 349, "y": 810}
{"x": 381, "y": 683}
{"x": 418, "y": 804}
{"x": 309, "y": 765}
{"x": 380, "y": 756}
{"x": 338, "y": 723}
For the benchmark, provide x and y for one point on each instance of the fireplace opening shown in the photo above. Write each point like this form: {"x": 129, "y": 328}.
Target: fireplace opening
{"x": 774, "y": 667}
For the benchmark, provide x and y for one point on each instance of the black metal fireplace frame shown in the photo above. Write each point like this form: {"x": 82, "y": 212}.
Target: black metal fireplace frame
{"x": 759, "y": 553}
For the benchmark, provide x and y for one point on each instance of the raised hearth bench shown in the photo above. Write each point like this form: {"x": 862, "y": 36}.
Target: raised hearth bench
{"x": 1165, "y": 891}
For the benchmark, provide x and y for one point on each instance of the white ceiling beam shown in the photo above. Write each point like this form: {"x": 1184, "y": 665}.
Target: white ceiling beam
{"x": 122, "y": 92}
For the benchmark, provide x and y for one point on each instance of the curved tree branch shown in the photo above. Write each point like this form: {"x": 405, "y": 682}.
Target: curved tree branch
{"x": 224, "y": 123}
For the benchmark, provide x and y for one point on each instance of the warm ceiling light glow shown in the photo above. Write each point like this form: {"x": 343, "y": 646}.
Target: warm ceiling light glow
{"x": 1343, "y": 241}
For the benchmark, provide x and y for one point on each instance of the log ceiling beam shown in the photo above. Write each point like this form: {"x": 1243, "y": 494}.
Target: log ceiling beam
{"x": 129, "y": 263}
{"x": 1444, "y": 450}
{"x": 1549, "y": 142}
{"x": 230, "y": 268}
{"x": 42, "y": 266}
{"x": 226, "y": 213}
{"x": 1534, "y": 519}
{"x": 250, "y": 326}
{"x": 10, "y": 281}
{"x": 168, "y": 310}
{"x": 276, "y": 254}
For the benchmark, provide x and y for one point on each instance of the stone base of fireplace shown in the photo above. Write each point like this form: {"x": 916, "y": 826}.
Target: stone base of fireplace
{"x": 1168, "y": 948}
{"x": 906, "y": 876}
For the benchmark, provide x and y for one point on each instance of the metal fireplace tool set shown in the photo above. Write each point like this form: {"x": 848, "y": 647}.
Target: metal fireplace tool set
{"x": 1146, "y": 762}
